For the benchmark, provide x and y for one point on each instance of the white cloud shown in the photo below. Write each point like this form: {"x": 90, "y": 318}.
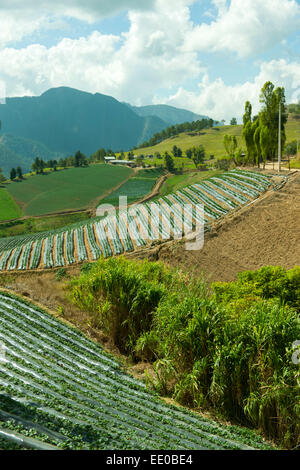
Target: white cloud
{"x": 130, "y": 67}
{"x": 153, "y": 58}
{"x": 88, "y": 10}
{"x": 19, "y": 19}
{"x": 222, "y": 101}
{"x": 246, "y": 26}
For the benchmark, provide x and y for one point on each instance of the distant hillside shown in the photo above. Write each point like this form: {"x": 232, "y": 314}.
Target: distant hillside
{"x": 169, "y": 114}
{"x": 17, "y": 151}
{"x": 212, "y": 140}
{"x": 65, "y": 120}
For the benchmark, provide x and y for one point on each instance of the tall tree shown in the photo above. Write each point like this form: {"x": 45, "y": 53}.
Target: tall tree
{"x": 189, "y": 153}
{"x": 256, "y": 140}
{"x": 248, "y": 113}
{"x": 169, "y": 163}
{"x": 13, "y": 174}
{"x": 269, "y": 116}
{"x": 265, "y": 143}
{"x": 233, "y": 121}
{"x": 198, "y": 155}
{"x": 19, "y": 173}
{"x": 230, "y": 143}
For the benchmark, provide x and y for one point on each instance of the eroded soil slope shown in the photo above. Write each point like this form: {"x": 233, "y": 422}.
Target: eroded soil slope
{"x": 266, "y": 233}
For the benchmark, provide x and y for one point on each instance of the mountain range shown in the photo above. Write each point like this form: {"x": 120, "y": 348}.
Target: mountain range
{"x": 63, "y": 120}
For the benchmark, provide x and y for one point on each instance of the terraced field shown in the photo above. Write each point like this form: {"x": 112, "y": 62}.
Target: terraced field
{"x": 70, "y": 189}
{"x": 58, "y": 389}
{"x": 131, "y": 230}
{"x": 136, "y": 187}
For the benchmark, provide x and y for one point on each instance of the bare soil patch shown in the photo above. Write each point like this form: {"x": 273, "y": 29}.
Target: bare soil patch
{"x": 264, "y": 233}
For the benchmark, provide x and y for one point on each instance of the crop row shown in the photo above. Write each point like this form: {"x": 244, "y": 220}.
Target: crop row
{"x": 170, "y": 216}
{"x": 81, "y": 393}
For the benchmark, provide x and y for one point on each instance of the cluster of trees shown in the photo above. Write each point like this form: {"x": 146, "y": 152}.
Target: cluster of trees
{"x": 197, "y": 154}
{"x": 99, "y": 155}
{"x": 177, "y": 129}
{"x": 16, "y": 172}
{"x": 39, "y": 165}
{"x": 78, "y": 160}
{"x": 169, "y": 163}
{"x": 261, "y": 131}
{"x": 177, "y": 152}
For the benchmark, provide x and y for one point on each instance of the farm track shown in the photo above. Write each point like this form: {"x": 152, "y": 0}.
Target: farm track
{"x": 220, "y": 196}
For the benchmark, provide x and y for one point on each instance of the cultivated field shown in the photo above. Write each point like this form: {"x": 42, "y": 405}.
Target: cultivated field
{"x": 70, "y": 189}
{"x": 61, "y": 390}
{"x": 126, "y": 232}
{"x": 135, "y": 188}
{"x": 8, "y": 207}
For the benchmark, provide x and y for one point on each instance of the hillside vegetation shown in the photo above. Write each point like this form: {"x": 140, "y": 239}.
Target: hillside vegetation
{"x": 61, "y": 389}
{"x": 17, "y": 151}
{"x": 230, "y": 349}
{"x": 211, "y": 139}
{"x": 64, "y": 120}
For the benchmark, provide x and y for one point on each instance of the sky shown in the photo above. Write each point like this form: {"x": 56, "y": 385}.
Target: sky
{"x": 207, "y": 56}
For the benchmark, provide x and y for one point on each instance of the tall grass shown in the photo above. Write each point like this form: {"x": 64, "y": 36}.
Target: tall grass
{"x": 229, "y": 348}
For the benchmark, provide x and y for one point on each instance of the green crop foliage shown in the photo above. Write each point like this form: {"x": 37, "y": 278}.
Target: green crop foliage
{"x": 73, "y": 188}
{"x": 229, "y": 348}
{"x": 8, "y": 207}
{"x": 58, "y": 388}
{"x": 134, "y": 189}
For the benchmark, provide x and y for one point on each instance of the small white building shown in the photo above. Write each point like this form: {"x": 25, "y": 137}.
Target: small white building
{"x": 122, "y": 162}
{"x": 109, "y": 159}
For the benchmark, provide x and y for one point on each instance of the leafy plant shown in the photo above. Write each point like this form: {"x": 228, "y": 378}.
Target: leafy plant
{"x": 60, "y": 274}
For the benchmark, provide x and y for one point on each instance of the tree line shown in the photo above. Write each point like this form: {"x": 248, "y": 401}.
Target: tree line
{"x": 177, "y": 129}
{"x": 196, "y": 154}
{"x": 261, "y": 131}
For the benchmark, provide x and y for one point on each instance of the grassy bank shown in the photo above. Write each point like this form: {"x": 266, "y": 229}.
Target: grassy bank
{"x": 211, "y": 139}
{"x": 229, "y": 349}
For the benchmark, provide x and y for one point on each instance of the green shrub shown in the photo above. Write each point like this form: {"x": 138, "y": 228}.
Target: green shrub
{"x": 224, "y": 163}
{"x": 86, "y": 267}
{"x": 133, "y": 291}
{"x": 229, "y": 348}
{"x": 60, "y": 273}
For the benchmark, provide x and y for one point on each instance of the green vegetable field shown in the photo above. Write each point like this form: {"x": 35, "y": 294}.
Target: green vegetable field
{"x": 8, "y": 207}
{"x": 73, "y": 188}
{"x": 113, "y": 235}
{"x": 136, "y": 187}
{"x": 59, "y": 389}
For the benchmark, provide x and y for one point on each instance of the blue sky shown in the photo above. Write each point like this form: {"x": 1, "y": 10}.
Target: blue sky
{"x": 209, "y": 56}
